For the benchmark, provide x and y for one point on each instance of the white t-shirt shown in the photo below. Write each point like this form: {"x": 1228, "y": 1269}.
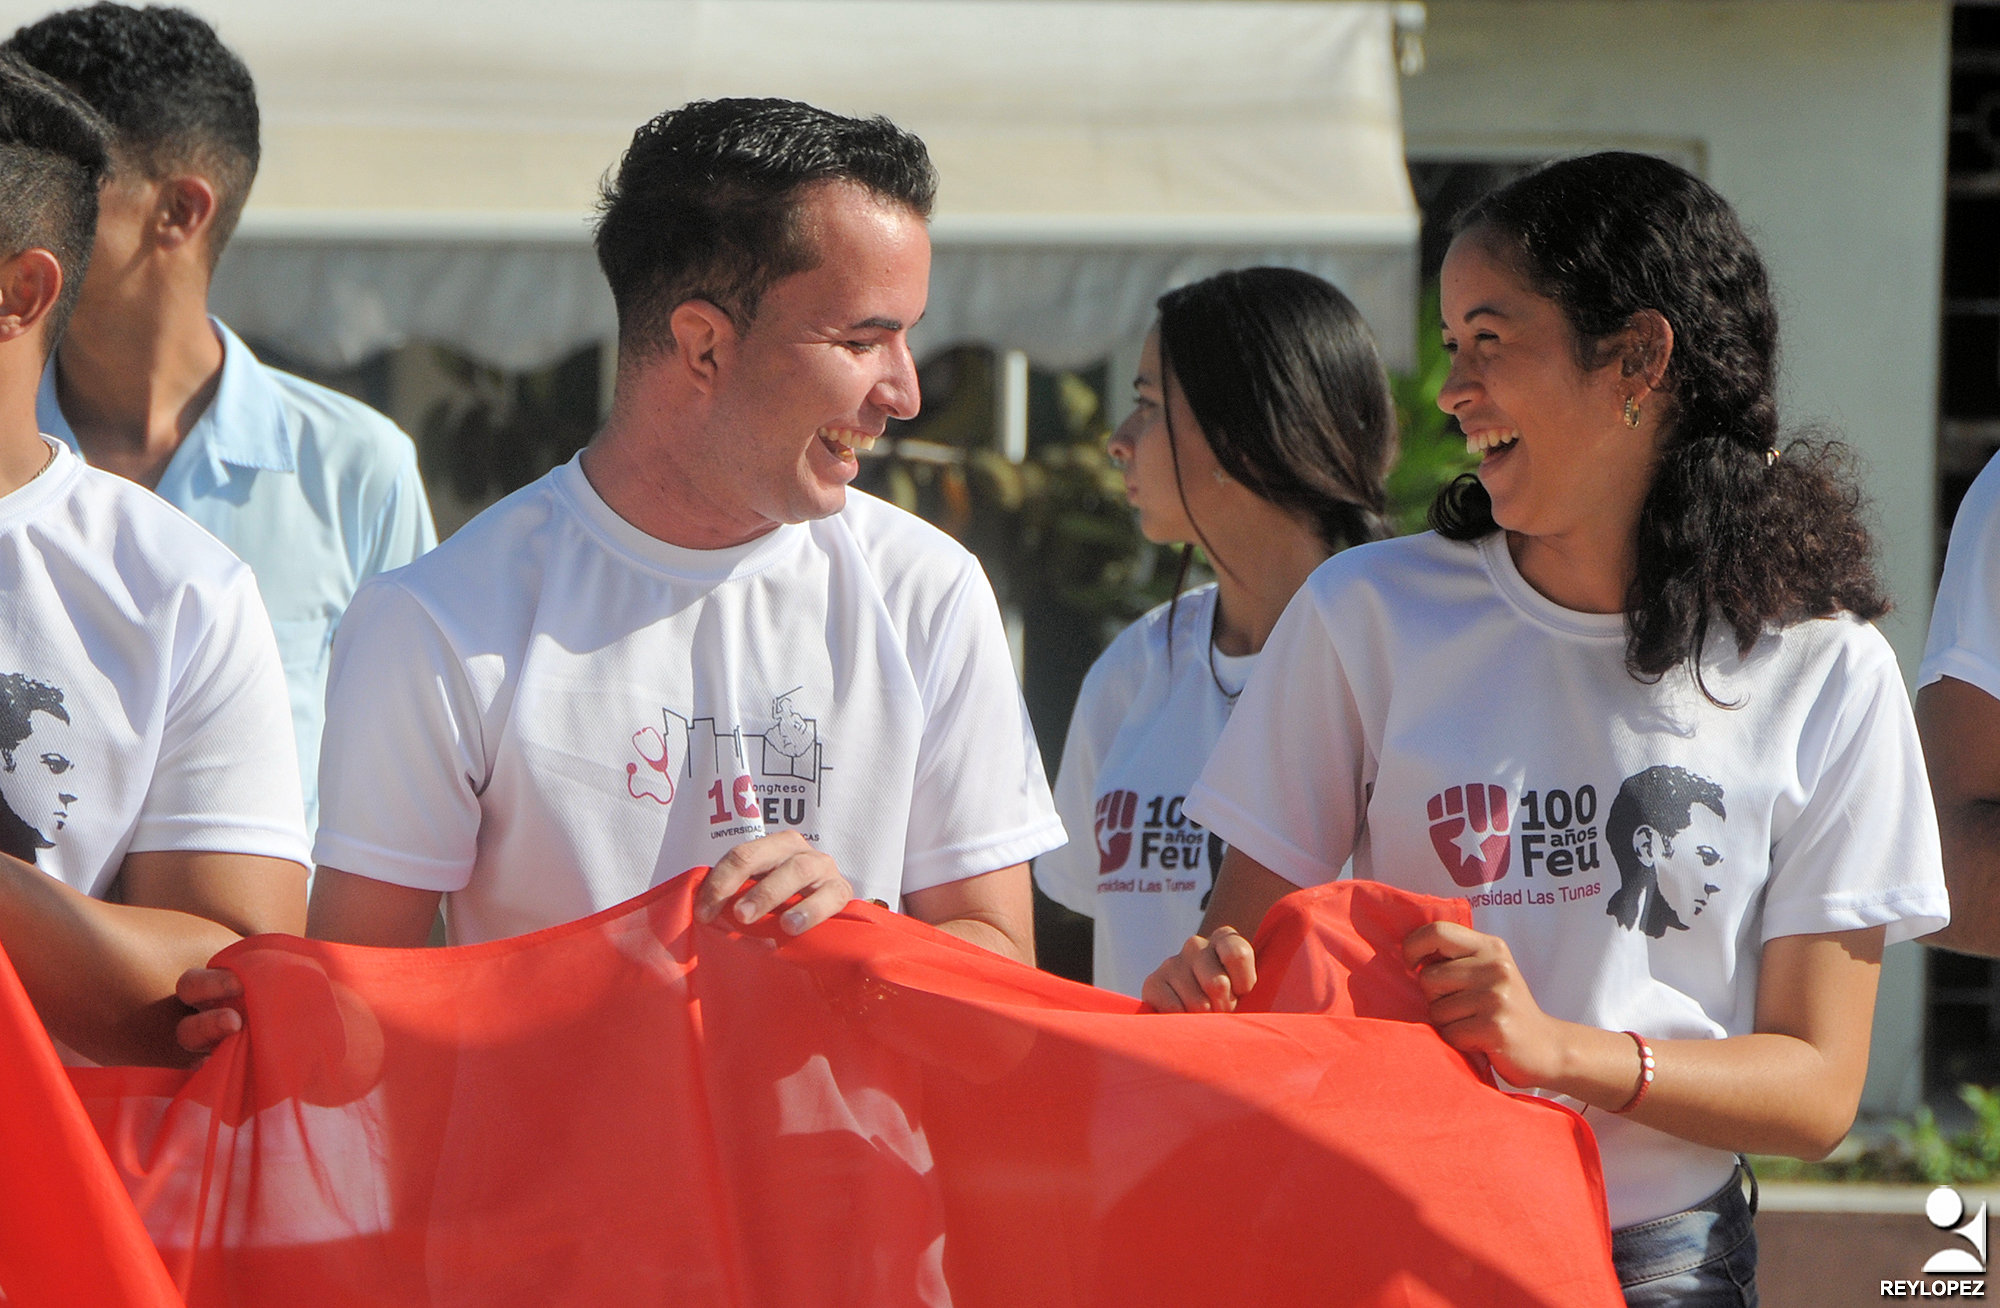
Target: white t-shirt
{"x": 142, "y": 704}
{"x": 554, "y": 711}
{"x": 1964, "y": 641}
{"x": 1143, "y": 726}
{"x": 1421, "y": 707}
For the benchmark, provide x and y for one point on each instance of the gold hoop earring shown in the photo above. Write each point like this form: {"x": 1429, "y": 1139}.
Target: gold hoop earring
{"x": 1632, "y": 411}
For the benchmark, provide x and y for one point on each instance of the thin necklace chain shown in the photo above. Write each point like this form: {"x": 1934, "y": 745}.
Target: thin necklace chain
{"x": 47, "y": 463}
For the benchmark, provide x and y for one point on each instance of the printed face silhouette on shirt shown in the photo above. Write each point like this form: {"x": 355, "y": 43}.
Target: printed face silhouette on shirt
{"x": 37, "y": 771}
{"x": 1665, "y": 829}
{"x": 1686, "y": 866}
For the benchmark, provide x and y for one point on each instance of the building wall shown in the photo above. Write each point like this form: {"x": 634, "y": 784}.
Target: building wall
{"x": 1824, "y": 123}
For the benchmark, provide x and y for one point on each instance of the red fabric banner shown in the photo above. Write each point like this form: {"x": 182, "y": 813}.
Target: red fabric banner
{"x": 637, "y": 1109}
{"x": 68, "y": 1235}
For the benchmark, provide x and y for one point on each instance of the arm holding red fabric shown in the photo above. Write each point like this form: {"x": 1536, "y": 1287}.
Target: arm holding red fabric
{"x": 993, "y": 910}
{"x": 347, "y": 908}
{"x": 1790, "y": 1087}
{"x": 102, "y": 975}
{"x": 1217, "y": 966}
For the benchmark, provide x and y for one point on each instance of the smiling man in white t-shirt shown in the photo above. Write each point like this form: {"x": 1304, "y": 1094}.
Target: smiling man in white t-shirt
{"x": 693, "y": 644}
{"x": 146, "y": 755}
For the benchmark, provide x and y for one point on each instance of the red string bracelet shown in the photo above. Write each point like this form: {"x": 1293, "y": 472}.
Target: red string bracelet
{"x": 1645, "y": 1073}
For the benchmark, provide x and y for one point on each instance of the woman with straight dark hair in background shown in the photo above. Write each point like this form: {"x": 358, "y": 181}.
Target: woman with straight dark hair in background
{"x": 1627, "y": 700}
{"x": 1262, "y": 431}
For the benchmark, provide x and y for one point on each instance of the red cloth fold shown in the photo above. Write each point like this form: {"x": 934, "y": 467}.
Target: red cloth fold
{"x": 68, "y": 1235}
{"x": 638, "y": 1109}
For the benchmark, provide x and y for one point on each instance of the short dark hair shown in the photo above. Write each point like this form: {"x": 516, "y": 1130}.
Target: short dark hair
{"x": 1661, "y": 797}
{"x": 1729, "y": 530}
{"x": 705, "y": 204}
{"x": 175, "y": 96}
{"x": 21, "y": 695}
{"x": 53, "y": 154}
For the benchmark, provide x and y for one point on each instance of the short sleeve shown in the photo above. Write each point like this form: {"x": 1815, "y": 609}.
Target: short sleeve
{"x": 403, "y": 529}
{"x": 1288, "y": 780}
{"x": 403, "y": 760}
{"x": 980, "y": 800}
{"x": 227, "y": 776}
{"x": 1069, "y": 875}
{"x": 1863, "y": 849}
{"x": 1964, "y": 640}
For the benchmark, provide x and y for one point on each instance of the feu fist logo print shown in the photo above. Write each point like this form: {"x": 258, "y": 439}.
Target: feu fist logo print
{"x": 1469, "y": 832}
{"x": 1115, "y": 812}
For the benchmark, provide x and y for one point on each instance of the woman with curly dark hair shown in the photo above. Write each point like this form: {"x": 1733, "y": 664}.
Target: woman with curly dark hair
{"x": 1626, "y": 700}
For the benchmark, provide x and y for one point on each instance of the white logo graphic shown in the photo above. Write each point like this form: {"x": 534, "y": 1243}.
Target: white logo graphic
{"x": 1947, "y": 1212}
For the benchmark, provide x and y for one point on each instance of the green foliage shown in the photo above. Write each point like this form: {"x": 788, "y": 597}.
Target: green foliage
{"x": 1918, "y": 1150}
{"x": 1970, "y": 1155}
{"x": 1063, "y": 529}
{"x": 1433, "y": 451}
{"x": 1056, "y": 529}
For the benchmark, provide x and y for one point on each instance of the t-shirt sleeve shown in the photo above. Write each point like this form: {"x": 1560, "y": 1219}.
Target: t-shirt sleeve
{"x": 980, "y": 800}
{"x": 403, "y": 528}
{"x": 227, "y": 776}
{"x": 403, "y": 759}
{"x": 1862, "y": 850}
{"x": 1964, "y": 640}
{"x": 1287, "y": 781}
{"x": 1069, "y": 875}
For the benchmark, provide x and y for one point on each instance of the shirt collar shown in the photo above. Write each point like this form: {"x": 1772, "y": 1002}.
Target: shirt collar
{"x": 246, "y": 425}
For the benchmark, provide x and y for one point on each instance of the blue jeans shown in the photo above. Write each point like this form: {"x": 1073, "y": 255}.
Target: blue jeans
{"x": 1705, "y": 1257}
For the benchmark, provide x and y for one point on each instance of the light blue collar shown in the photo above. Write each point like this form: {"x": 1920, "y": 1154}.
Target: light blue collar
{"x": 246, "y": 425}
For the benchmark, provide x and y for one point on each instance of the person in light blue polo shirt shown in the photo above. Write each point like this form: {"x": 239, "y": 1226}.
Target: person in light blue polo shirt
{"x": 315, "y": 491}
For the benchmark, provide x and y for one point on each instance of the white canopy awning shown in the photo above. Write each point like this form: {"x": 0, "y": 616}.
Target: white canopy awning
{"x": 430, "y": 168}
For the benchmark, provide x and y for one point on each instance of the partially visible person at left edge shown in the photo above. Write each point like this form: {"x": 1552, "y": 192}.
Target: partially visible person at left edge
{"x": 315, "y": 491}
{"x": 144, "y": 755}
